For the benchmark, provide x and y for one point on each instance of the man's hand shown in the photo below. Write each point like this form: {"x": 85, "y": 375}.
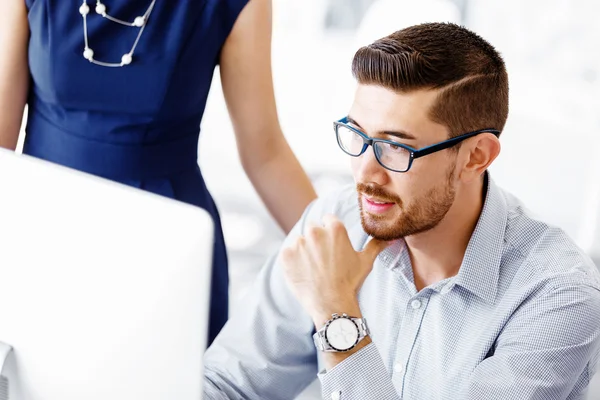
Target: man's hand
{"x": 324, "y": 271}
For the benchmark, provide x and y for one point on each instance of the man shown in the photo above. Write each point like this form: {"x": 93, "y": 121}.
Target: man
{"x": 426, "y": 280}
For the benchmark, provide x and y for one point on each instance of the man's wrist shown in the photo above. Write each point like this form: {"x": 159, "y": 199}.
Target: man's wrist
{"x": 331, "y": 360}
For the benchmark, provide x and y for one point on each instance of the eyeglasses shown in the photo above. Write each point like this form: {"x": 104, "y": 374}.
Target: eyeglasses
{"x": 391, "y": 155}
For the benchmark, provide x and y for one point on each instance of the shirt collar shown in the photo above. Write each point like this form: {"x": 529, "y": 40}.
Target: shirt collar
{"x": 480, "y": 268}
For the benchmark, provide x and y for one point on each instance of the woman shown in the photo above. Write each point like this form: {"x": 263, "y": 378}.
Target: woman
{"x": 118, "y": 89}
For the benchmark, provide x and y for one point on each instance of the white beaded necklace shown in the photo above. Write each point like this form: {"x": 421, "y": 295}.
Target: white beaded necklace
{"x": 139, "y": 22}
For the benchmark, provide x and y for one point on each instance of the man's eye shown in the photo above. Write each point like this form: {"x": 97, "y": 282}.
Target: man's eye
{"x": 395, "y": 148}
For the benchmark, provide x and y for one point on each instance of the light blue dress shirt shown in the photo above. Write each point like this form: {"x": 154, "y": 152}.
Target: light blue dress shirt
{"x": 520, "y": 321}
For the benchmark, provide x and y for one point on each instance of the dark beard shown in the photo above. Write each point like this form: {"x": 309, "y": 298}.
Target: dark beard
{"x": 419, "y": 216}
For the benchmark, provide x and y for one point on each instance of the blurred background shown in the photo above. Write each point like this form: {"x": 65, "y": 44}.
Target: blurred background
{"x": 551, "y": 144}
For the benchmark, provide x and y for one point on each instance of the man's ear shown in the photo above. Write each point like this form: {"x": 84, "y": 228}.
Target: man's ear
{"x": 480, "y": 153}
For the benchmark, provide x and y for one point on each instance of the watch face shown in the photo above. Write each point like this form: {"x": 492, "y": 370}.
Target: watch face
{"x": 342, "y": 334}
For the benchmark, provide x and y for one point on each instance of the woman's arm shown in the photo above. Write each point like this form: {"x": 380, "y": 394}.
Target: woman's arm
{"x": 14, "y": 70}
{"x": 247, "y": 83}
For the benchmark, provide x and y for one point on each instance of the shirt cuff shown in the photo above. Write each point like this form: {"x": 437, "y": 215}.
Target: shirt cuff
{"x": 360, "y": 376}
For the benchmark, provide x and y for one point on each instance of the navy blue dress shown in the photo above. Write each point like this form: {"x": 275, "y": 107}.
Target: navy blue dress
{"x": 138, "y": 124}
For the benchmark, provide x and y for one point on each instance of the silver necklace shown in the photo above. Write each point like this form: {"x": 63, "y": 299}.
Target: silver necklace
{"x": 139, "y": 22}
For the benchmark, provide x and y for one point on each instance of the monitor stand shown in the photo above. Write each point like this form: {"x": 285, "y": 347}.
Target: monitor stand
{"x": 4, "y": 352}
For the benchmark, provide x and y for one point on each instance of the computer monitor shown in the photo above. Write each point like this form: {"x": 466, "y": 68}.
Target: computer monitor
{"x": 104, "y": 289}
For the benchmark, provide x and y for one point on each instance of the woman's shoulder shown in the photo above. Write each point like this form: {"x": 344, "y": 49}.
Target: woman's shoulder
{"x": 228, "y": 10}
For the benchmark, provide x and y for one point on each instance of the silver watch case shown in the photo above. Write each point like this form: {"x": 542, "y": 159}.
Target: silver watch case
{"x": 320, "y": 337}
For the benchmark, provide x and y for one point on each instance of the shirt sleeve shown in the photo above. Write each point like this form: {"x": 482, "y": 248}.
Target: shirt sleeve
{"x": 361, "y": 376}
{"x": 266, "y": 350}
{"x": 546, "y": 350}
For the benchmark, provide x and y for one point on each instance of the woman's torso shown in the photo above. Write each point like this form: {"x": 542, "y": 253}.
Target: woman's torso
{"x": 134, "y": 123}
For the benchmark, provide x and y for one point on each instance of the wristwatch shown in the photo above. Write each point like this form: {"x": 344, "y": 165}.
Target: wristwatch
{"x": 341, "y": 333}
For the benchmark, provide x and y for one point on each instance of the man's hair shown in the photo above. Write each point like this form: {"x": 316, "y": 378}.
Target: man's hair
{"x": 468, "y": 71}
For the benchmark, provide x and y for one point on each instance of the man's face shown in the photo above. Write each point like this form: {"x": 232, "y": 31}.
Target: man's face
{"x": 395, "y": 205}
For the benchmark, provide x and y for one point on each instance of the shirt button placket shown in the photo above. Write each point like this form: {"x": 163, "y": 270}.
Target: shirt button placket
{"x": 415, "y": 310}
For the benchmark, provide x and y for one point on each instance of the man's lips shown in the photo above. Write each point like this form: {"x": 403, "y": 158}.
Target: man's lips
{"x": 376, "y": 206}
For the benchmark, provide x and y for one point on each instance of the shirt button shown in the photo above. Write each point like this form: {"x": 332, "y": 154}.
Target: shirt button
{"x": 415, "y": 304}
{"x": 398, "y": 367}
{"x": 336, "y": 395}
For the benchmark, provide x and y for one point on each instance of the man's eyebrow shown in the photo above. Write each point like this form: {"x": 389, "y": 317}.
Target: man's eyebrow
{"x": 399, "y": 134}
